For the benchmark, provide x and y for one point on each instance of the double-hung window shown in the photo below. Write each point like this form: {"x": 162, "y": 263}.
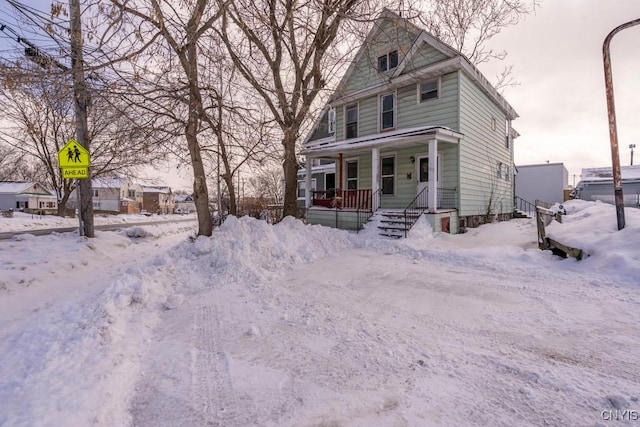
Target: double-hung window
{"x": 388, "y": 61}
{"x": 352, "y": 175}
{"x": 430, "y": 90}
{"x": 499, "y": 170}
{"x": 387, "y": 111}
{"x": 351, "y": 121}
{"x": 387, "y": 174}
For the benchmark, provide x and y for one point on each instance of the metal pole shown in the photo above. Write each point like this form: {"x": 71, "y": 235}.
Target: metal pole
{"x": 631, "y": 147}
{"x": 613, "y": 132}
{"x": 80, "y": 224}
{"x": 85, "y": 209}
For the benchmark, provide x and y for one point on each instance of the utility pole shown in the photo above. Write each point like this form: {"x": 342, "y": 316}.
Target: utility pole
{"x": 80, "y": 98}
{"x": 631, "y": 147}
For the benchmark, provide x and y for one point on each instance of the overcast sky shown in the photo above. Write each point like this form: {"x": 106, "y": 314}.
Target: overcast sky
{"x": 557, "y": 58}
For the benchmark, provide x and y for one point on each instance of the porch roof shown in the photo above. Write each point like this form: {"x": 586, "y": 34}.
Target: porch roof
{"x": 404, "y": 137}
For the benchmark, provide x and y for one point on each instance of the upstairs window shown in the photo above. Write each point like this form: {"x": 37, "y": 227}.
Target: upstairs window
{"x": 387, "y": 111}
{"x": 388, "y": 61}
{"x": 331, "y": 120}
{"x": 430, "y": 90}
{"x": 352, "y": 122}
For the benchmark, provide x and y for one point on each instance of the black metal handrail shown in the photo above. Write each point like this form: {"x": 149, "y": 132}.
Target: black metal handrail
{"x": 417, "y": 205}
{"x": 447, "y": 199}
{"x": 525, "y": 206}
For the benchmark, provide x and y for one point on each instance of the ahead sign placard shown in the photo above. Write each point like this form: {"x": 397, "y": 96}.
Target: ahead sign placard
{"x": 75, "y": 173}
{"x": 73, "y": 155}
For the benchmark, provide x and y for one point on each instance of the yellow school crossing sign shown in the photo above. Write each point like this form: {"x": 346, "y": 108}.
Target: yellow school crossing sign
{"x": 74, "y": 160}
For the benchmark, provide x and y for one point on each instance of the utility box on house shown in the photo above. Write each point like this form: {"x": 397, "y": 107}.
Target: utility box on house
{"x": 547, "y": 181}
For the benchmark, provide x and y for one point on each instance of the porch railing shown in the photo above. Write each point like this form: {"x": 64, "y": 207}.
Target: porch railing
{"x": 363, "y": 214}
{"x": 360, "y": 199}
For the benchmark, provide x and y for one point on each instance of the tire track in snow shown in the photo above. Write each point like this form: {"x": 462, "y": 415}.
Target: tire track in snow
{"x": 212, "y": 388}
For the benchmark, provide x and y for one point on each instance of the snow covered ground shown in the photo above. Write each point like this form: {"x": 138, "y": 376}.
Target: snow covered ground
{"x": 296, "y": 325}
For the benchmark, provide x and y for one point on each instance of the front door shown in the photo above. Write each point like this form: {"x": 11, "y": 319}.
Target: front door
{"x": 422, "y": 172}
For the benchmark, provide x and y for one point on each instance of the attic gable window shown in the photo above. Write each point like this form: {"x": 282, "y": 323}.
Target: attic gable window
{"x": 388, "y": 62}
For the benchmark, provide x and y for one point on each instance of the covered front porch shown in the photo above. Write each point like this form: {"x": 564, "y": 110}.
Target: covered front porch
{"x": 414, "y": 169}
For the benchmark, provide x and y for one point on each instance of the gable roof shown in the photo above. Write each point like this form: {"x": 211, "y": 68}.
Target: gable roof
{"x": 108, "y": 182}
{"x": 23, "y": 187}
{"x": 456, "y": 61}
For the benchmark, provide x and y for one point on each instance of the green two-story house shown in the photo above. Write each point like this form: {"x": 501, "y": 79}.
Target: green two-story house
{"x": 413, "y": 127}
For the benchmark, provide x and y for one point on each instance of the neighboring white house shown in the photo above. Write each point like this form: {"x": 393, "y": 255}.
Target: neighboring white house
{"x": 117, "y": 195}
{"x": 597, "y": 184}
{"x": 29, "y": 197}
{"x": 546, "y": 182}
{"x": 184, "y": 204}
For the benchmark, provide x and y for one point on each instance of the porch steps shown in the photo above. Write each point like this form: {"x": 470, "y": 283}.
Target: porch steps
{"x": 517, "y": 213}
{"x": 393, "y": 223}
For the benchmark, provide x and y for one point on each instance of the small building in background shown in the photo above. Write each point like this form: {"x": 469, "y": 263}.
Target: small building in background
{"x": 29, "y": 197}
{"x": 184, "y": 203}
{"x": 116, "y": 195}
{"x": 158, "y": 199}
{"x": 597, "y": 184}
{"x": 548, "y": 182}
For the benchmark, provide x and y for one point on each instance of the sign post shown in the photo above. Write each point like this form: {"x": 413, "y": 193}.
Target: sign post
{"x": 74, "y": 162}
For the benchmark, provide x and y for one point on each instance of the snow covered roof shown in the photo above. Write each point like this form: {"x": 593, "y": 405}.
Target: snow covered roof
{"x": 629, "y": 173}
{"x": 183, "y": 198}
{"x": 156, "y": 189}
{"x": 12, "y": 187}
{"x": 108, "y": 182}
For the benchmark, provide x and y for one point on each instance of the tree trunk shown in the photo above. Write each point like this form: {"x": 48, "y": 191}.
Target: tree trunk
{"x": 233, "y": 206}
{"x": 290, "y": 167}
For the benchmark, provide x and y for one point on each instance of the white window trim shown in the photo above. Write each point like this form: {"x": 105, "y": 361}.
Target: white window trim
{"x": 346, "y": 172}
{"x": 314, "y": 187}
{"x": 388, "y": 56}
{"x": 395, "y": 173}
{"x": 331, "y": 121}
{"x": 419, "y": 90}
{"x": 395, "y": 111}
{"x": 357, "y": 105}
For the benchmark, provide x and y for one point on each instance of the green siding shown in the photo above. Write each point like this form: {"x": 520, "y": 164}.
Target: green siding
{"x": 335, "y": 218}
{"x": 436, "y": 112}
{"x": 426, "y": 55}
{"x": 480, "y": 150}
{"x": 392, "y": 36}
{"x": 405, "y": 184}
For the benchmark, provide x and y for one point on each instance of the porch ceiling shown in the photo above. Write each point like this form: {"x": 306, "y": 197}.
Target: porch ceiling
{"x": 413, "y": 137}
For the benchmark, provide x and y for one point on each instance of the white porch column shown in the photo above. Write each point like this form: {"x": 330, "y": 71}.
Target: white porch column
{"x": 307, "y": 183}
{"x": 375, "y": 182}
{"x": 432, "y": 202}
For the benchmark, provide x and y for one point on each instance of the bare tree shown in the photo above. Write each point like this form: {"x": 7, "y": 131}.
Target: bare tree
{"x": 39, "y": 106}
{"x": 284, "y": 50}
{"x": 268, "y": 182}
{"x": 469, "y": 25}
{"x": 167, "y": 39}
